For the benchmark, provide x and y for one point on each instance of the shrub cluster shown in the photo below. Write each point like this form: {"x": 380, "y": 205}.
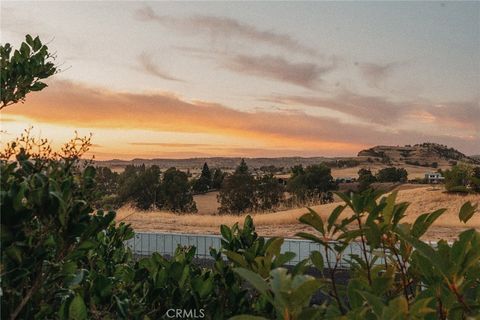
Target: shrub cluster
{"x": 242, "y": 192}
{"x": 208, "y": 181}
{"x": 462, "y": 178}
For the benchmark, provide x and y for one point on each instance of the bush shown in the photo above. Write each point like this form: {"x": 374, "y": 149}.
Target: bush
{"x": 392, "y": 174}
{"x": 269, "y": 193}
{"x": 394, "y": 275}
{"x": 141, "y": 185}
{"x": 313, "y": 184}
{"x": 176, "y": 195}
{"x": 462, "y": 178}
{"x": 50, "y": 233}
{"x": 365, "y": 179}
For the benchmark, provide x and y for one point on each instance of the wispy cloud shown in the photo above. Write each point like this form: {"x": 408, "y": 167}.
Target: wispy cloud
{"x": 378, "y": 110}
{"x": 147, "y": 65}
{"x": 383, "y": 111}
{"x": 226, "y": 28}
{"x": 275, "y": 67}
{"x": 376, "y": 73}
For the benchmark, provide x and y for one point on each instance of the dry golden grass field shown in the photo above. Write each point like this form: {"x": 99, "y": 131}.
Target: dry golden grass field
{"x": 414, "y": 172}
{"x": 285, "y": 223}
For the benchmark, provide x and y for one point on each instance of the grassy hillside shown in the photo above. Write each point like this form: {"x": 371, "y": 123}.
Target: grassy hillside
{"x": 284, "y": 223}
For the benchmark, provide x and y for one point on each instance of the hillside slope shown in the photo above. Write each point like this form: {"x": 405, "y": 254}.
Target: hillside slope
{"x": 424, "y": 154}
{"x": 285, "y": 223}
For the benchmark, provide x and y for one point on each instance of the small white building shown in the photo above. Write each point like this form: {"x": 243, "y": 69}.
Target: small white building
{"x": 434, "y": 177}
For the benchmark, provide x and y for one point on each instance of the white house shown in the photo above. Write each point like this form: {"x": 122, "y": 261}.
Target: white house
{"x": 434, "y": 177}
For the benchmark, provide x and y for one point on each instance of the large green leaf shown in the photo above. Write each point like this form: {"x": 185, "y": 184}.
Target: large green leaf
{"x": 466, "y": 211}
{"x": 314, "y": 220}
{"x": 332, "y": 218}
{"x": 77, "y": 309}
{"x": 424, "y": 221}
{"x": 253, "y": 278}
{"x": 317, "y": 260}
{"x": 424, "y": 249}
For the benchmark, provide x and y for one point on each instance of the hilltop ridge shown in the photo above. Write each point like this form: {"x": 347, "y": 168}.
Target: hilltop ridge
{"x": 422, "y": 155}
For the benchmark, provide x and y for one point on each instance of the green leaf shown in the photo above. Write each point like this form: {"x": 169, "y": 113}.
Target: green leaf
{"x": 236, "y": 258}
{"x": 254, "y": 279}
{"x": 283, "y": 259}
{"x": 203, "y": 287}
{"x": 334, "y": 216}
{"x": 29, "y": 40}
{"x": 466, "y": 211}
{"x": 303, "y": 293}
{"x": 226, "y": 233}
{"x": 311, "y": 237}
{"x": 424, "y": 249}
{"x": 375, "y": 303}
{"x": 37, "y": 44}
{"x": 19, "y": 199}
{"x": 396, "y": 309}
{"x": 353, "y": 292}
{"x": 317, "y": 260}
{"x": 314, "y": 220}
{"x": 77, "y": 309}
{"x": 273, "y": 246}
{"x": 388, "y": 210}
{"x": 424, "y": 221}
{"x": 25, "y": 50}
{"x": 14, "y": 253}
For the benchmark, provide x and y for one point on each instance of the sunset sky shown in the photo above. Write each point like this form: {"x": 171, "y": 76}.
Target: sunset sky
{"x": 252, "y": 79}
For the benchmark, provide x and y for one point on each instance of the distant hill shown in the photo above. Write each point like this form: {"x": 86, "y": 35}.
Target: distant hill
{"x": 420, "y": 154}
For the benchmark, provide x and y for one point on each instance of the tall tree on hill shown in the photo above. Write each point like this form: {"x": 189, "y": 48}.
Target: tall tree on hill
{"x": 237, "y": 194}
{"x": 204, "y": 182}
{"x": 218, "y": 177}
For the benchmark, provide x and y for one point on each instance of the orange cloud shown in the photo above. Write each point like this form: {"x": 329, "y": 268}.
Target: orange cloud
{"x": 81, "y": 106}
{"x": 69, "y": 103}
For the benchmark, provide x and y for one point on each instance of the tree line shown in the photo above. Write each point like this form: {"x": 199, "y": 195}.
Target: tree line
{"x": 146, "y": 188}
{"x": 390, "y": 174}
{"x": 241, "y": 191}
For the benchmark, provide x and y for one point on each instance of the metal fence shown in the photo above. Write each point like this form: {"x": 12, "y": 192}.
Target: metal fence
{"x": 144, "y": 243}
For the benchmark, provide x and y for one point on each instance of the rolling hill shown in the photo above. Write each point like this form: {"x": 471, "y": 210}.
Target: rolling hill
{"x": 421, "y": 155}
